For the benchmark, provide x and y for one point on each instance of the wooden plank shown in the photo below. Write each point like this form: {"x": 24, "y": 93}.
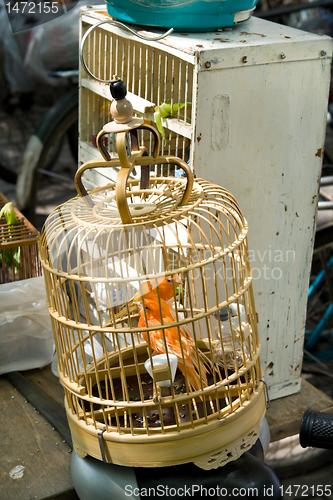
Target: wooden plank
{"x": 28, "y": 440}
{"x": 65, "y": 495}
{"x": 52, "y": 411}
{"x": 285, "y": 414}
{"x": 44, "y": 379}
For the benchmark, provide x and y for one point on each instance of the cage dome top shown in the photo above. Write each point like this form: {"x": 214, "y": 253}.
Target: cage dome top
{"x": 156, "y": 215}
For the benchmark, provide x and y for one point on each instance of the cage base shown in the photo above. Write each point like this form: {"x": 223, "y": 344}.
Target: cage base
{"x": 219, "y": 441}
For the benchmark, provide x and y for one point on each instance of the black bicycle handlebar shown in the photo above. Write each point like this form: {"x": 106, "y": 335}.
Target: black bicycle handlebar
{"x": 316, "y": 430}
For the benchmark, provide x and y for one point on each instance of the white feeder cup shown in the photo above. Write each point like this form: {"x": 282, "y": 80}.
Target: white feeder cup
{"x": 160, "y": 370}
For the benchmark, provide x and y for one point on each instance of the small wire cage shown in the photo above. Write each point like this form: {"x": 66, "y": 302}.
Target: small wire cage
{"x": 18, "y": 248}
{"x": 137, "y": 275}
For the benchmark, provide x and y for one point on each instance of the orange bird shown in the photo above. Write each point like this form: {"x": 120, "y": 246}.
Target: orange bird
{"x": 150, "y": 308}
{"x": 165, "y": 288}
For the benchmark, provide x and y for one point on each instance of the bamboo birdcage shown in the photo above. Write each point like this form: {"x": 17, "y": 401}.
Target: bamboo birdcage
{"x": 18, "y": 248}
{"x": 145, "y": 384}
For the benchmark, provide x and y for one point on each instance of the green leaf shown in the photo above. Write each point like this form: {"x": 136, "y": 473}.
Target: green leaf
{"x": 164, "y": 111}
{"x": 11, "y": 256}
{"x": 158, "y": 120}
{"x": 8, "y": 212}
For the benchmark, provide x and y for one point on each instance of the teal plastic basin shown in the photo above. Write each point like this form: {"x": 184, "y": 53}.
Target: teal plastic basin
{"x": 182, "y": 15}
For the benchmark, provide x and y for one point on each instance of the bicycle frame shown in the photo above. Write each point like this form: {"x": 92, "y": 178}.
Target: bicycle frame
{"x": 314, "y": 287}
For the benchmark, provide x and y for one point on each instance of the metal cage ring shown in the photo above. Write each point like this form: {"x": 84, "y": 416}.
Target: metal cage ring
{"x": 119, "y": 25}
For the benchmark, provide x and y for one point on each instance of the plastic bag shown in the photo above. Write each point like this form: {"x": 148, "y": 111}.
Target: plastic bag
{"x": 55, "y": 46}
{"x": 26, "y": 338}
{"x": 14, "y": 47}
{"x": 94, "y": 346}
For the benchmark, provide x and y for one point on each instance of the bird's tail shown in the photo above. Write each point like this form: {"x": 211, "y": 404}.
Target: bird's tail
{"x": 197, "y": 366}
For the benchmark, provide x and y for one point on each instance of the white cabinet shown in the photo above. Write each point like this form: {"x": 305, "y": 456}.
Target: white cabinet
{"x": 255, "y": 124}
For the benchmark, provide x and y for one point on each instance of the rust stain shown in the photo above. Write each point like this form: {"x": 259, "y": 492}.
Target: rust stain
{"x": 199, "y": 138}
{"x": 287, "y": 36}
{"x": 247, "y": 33}
{"x": 297, "y": 214}
{"x": 222, "y": 39}
{"x": 319, "y": 153}
{"x": 184, "y": 34}
{"x": 271, "y": 373}
{"x": 242, "y": 41}
{"x": 103, "y": 13}
{"x": 277, "y": 234}
{"x": 271, "y": 364}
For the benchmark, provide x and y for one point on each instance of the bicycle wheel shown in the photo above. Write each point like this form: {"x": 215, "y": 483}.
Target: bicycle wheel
{"x": 287, "y": 458}
{"x": 43, "y": 181}
{"x": 319, "y": 324}
{"x": 19, "y": 118}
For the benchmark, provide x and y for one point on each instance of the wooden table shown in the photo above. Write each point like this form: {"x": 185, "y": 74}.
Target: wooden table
{"x": 284, "y": 415}
{"x": 31, "y": 409}
{"x": 29, "y": 441}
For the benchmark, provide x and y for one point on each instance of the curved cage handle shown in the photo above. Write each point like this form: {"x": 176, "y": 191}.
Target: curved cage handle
{"x": 123, "y": 175}
{"x": 134, "y": 140}
{"x": 119, "y": 25}
{"x": 122, "y": 160}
